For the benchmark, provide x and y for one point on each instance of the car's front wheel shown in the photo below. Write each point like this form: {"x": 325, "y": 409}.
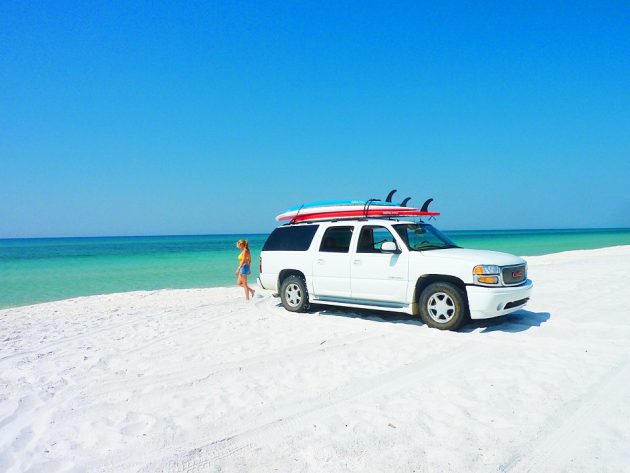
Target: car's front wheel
{"x": 443, "y": 306}
{"x": 294, "y": 294}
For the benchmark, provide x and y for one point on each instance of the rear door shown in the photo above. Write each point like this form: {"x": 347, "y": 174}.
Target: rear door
{"x": 331, "y": 265}
{"x": 376, "y": 275}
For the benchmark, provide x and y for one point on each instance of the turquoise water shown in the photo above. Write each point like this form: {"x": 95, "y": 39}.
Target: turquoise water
{"x": 47, "y": 269}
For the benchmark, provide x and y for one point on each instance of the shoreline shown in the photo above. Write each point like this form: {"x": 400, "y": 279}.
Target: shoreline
{"x": 253, "y": 281}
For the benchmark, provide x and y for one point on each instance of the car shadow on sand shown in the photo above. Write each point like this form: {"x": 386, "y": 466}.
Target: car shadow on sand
{"x": 518, "y": 321}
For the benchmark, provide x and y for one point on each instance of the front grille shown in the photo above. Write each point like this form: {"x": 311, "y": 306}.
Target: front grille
{"x": 514, "y": 275}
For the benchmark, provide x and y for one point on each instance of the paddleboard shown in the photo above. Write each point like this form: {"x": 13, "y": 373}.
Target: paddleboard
{"x": 371, "y": 212}
{"x": 335, "y": 208}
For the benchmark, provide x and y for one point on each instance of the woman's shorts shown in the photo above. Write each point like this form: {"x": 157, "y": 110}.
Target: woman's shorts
{"x": 245, "y": 270}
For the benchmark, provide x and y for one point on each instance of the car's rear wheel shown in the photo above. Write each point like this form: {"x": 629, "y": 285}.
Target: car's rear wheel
{"x": 443, "y": 306}
{"x": 294, "y": 294}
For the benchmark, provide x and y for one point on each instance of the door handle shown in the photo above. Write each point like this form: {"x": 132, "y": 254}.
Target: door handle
{"x": 357, "y": 261}
{"x": 320, "y": 261}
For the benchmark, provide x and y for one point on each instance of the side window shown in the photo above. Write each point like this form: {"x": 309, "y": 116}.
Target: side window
{"x": 336, "y": 240}
{"x": 372, "y": 238}
{"x": 291, "y": 238}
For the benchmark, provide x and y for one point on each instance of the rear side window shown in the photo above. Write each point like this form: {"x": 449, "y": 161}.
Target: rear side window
{"x": 336, "y": 240}
{"x": 291, "y": 238}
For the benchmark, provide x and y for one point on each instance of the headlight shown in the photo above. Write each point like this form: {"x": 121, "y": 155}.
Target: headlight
{"x": 486, "y": 274}
{"x": 486, "y": 269}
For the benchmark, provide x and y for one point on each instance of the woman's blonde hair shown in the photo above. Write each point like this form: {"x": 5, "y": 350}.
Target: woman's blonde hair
{"x": 244, "y": 243}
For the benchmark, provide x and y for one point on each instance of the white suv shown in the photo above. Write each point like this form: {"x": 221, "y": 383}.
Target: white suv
{"x": 394, "y": 265}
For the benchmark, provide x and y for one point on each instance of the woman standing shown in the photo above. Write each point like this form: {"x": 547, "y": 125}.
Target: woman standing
{"x": 244, "y": 260}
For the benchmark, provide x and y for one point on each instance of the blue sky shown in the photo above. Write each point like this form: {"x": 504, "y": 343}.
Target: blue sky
{"x": 126, "y": 118}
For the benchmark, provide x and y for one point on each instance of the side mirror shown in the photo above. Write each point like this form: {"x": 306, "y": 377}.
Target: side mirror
{"x": 389, "y": 247}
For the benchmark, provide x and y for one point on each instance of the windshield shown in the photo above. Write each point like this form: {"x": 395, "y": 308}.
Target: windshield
{"x": 422, "y": 236}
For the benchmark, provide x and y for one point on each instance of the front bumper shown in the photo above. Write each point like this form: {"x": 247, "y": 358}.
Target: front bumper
{"x": 487, "y": 302}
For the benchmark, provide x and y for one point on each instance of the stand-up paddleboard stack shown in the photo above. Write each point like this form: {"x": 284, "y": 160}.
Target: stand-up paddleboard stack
{"x": 339, "y": 209}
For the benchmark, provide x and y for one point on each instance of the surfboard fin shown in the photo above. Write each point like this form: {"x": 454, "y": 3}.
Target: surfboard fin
{"x": 390, "y": 195}
{"x": 404, "y": 202}
{"x": 425, "y": 206}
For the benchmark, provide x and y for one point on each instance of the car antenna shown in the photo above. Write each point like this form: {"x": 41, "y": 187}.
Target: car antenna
{"x": 296, "y": 214}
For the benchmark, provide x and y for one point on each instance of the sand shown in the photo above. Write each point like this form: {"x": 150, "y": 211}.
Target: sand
{"x": 200, "y": 380}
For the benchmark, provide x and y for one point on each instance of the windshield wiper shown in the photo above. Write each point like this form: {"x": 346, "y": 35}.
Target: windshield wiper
{"x": 431, "y": 247}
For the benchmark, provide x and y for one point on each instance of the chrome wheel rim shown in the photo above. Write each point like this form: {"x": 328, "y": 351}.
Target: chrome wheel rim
{"x": 441, "y": 307}
{"x": 293, "y": 295}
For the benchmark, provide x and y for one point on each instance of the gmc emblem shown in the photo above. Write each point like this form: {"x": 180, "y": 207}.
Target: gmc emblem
{"x": 517, "y": 274}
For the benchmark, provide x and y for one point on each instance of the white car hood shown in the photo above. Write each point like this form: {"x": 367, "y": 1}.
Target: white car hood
{"x": 475, "y": 257}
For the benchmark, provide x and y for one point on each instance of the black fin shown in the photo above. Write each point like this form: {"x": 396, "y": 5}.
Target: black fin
{"x": 404, "y": 202}
{"x": 390, "y": 195}
{"x": 425, "y": 206}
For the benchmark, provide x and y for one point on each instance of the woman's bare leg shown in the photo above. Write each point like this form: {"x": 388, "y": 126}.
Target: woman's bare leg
{"x": 248, "y": 290}
{"x": 242, "y": 281}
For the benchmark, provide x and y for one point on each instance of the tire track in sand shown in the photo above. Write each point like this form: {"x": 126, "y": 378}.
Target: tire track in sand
{"x": 137, "y": 319}
{"x": 296, "y": 415}
{"x": 200, "y": 374}
{"x": 567, "y": 431}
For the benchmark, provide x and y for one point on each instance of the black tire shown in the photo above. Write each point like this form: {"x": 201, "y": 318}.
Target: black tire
{"x": 443, "y": 306}
{"x": 294, "y": 294}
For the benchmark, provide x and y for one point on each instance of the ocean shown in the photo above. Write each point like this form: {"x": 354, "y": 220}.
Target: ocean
{"x": 47, "y": 269}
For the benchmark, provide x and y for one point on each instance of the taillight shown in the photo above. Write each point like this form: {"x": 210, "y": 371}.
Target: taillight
{"x": 260, "y": 265}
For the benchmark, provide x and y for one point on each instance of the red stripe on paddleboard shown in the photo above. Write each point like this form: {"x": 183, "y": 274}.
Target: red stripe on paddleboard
{"x": 360, "y": 213}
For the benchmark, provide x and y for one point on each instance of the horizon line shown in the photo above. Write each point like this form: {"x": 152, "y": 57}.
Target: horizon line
{"x": 267, "y": 233}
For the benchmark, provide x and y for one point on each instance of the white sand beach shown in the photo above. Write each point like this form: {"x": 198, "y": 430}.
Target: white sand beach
{"x": 199, "y": 380}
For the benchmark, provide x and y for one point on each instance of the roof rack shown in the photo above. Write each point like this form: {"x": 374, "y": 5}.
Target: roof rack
{"x": 366, "y": 209}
